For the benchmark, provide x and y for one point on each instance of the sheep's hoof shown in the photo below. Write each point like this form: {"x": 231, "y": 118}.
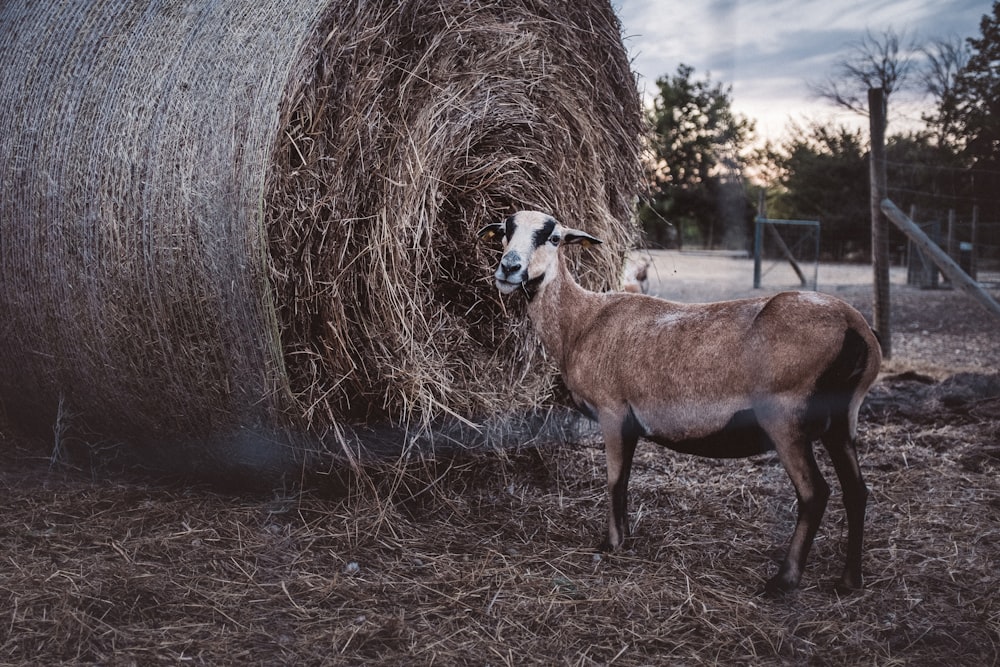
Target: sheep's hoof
{"x": 607, "y": 547}
{"x": 778, "y": 586}
{"x": 848, "y": 584}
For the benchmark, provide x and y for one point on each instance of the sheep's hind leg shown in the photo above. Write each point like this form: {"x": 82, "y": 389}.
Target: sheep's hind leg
{"x": 620, "y": 439}
{"x": 812, "y": 492}
{"x": 840, "y": 445}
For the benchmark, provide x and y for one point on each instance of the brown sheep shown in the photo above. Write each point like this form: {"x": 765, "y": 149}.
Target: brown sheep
{"x": 728, "y": 379}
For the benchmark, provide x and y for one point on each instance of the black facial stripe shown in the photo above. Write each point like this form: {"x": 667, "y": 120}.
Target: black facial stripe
{"x": 509, "y": 227}
{"x": 542, "y": 235}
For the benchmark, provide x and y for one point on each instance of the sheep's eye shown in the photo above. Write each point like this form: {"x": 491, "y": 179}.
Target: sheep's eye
{"x": 554, "y": 239}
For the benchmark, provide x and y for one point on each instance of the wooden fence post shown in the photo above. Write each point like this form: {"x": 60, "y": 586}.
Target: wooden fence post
{"x": 880, "y": 225}
{"x": 913, "y": 275}
{"x": 952, "y": 247}
{"x": 974, "y": 240}
{"x": 758, "y": 238}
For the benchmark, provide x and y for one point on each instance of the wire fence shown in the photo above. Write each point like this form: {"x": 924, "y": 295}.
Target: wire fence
{"x": 973, "y": 244}
{"x": 959, "y": 208}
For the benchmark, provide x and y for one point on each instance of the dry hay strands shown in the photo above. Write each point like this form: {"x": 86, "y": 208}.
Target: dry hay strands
{"x": 231, "y": 222}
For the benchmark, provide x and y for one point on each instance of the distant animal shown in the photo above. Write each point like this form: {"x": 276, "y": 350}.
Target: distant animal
{"x": 635, "y": 277}
{"x": 728, "y": 379}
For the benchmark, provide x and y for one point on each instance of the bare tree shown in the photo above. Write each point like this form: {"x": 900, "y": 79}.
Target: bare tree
{"x": 874, "y": 61}
{"x": 945, "y": 58}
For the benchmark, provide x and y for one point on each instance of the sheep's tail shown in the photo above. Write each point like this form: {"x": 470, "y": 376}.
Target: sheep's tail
{"x": 838, "y": 392}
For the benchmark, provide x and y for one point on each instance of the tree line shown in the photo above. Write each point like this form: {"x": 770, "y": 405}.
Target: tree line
{"x": 706, "y": 177}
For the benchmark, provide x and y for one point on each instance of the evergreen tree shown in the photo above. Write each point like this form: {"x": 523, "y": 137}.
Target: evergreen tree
{"x": 823, "y": 175}
{"x": 974, "y": 109}
{"x": 696, "y": 148}
{"x": 974, "y": 103}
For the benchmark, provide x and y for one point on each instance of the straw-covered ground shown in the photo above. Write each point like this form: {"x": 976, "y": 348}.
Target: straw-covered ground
{"x": 489, "y": 559}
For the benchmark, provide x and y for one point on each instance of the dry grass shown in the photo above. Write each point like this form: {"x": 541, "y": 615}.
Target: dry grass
{"x": 484, "y": 560}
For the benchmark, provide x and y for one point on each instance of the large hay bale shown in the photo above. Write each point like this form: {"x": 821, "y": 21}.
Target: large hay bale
{"x": 248, "y": 229}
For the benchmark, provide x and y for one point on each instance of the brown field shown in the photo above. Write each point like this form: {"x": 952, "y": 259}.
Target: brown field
{"x": 488, "y": 559}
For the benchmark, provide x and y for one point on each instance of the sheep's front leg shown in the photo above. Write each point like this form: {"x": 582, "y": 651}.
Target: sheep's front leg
{"x": 619, "y": 447}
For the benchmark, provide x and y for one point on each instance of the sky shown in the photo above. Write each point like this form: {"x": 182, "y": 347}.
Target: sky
{"x": 771, "y": 50}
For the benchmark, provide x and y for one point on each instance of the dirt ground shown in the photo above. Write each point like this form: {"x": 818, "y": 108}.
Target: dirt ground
{"x": 487, "y": 559}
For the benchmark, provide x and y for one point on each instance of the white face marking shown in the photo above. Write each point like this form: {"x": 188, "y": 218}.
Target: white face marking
{"x": 530, "y": 244}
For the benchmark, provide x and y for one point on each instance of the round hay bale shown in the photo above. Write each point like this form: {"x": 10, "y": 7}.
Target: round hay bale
{"x": 234, "y": 233}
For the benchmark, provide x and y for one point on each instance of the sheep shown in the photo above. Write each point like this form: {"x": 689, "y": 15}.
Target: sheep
{"x": 635, "y": 277}
{"x": 727, "y": 380}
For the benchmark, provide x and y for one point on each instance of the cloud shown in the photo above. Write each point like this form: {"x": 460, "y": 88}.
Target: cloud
{"x": 770, "y": 50}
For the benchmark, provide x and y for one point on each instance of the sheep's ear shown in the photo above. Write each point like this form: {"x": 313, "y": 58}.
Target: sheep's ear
{"x": 576, "y": 236}
{"x": 491, "y": 230}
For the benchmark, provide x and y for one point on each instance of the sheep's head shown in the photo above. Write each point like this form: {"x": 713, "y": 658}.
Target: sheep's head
{"x": 531, "y": 242}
